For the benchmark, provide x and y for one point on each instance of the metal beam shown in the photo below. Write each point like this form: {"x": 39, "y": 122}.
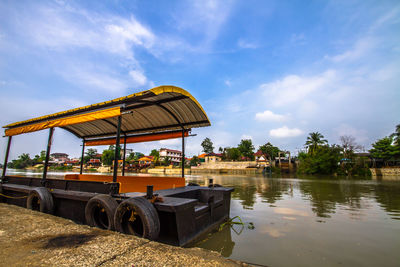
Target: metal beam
{"x": 137, "y": 99}
{"x": 117, "y": 150}
{"x": 183, "y": 153}
{"x": 46, "y": 162}
{"x": 123, "y": 159}
{"x": 6, "y": 158}
{"x": 150, "y": 129}
{"x": 83, "y": 154}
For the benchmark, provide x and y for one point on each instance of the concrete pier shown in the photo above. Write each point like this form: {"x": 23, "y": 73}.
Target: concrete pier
{"x": 30, "y": 238}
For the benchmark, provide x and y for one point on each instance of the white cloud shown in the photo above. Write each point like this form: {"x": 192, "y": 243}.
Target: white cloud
{"x": 138, "y": 77}
{"x": 246, "y": 44}
{"x": 284, "y": 132}
{"x": 170, "y": 142}
{"x": 294, "y": 88}
{"x": 268, "y": 115}
{"x": 206, "y": 18}
{"x": 360, "y": 48}
{"x": 62, "y": 28}
{"x": 228, "y": 83}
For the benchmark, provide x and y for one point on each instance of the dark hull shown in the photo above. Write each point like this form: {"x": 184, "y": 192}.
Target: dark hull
{"x": 185, "y": 213}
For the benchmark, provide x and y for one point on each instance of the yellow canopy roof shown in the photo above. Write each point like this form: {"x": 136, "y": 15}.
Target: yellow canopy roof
{"x": 159, "y": 109}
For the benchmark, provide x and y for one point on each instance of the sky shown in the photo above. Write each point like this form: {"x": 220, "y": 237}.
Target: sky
{"x": 269, "y": 71}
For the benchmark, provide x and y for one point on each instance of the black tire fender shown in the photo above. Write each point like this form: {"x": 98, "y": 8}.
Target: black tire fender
{"x": 40, "y": 199}
{"x": 99, "y": 211}
{"x": 137, "y": 216}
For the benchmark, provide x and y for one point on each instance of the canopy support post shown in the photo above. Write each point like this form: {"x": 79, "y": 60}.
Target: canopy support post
{"x": 183, "y": 153}
{"x": 46, "y": 162}
{"x": 83, "y": 154}
{"x": 123, "y": 159}
{"x": 117, "y": 150}
{"x": 6, "y": 158}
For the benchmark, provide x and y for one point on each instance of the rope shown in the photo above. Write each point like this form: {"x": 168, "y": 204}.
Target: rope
{"x": 12, "y": 197}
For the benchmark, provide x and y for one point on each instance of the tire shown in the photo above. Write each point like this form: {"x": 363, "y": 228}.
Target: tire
{"x": 137, "y": 216}
{"x": 40, "y": 199}
{"x": 99, "y": 212}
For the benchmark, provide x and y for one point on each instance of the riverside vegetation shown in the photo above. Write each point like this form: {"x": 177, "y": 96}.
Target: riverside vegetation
{"x": 318, "y": 157}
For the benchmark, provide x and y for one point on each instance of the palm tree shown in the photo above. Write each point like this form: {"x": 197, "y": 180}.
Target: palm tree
{"x": 396, "y": 135}
{"x": 314, "y": 140}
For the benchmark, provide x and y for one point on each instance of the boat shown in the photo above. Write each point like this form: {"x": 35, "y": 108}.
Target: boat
{"x": 163, "y": 209}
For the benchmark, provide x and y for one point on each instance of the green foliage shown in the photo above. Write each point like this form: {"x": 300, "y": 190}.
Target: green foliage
{"x": 166, "y": 161}
{"x": 384, "y": 149}
{"x": 246, "y": 148}
{"x": 314, "y": 141}
{"x": 130, "y": 157}
{"x": 22, "y": 162}
{"x": 91, "y": 152}
{"x": 108, "y": 156}
{"x": 324, "y": 160}
{"x": 207, "y": 145}
{"x": 233, "y": 153}
{"x": 154, "y": 153}
{"x": 40, "y": 159}
{"x": 138, "y": 155}
{"x": 270, "y": 150}
{"x": 60, "y": 168}
{"x": 194, "y": 161}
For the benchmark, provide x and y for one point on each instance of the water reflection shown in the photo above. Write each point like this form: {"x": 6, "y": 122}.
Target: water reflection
{"x": 221, "y": 241}
{"x": 324, "y": 195}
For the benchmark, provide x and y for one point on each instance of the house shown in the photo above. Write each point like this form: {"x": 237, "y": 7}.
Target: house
{"x": 146, "y": 160}
{"x": 175, "y": 156}
{"x": 260, "y": 156}
{"x": 212, "y": 158}
{"x": 59, "y": 158}
{"x": 202, "y": 157}
{"x": 94, "y": 162}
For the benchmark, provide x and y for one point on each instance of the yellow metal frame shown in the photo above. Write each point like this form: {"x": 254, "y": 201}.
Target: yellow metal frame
{"x": 91, "y": 116}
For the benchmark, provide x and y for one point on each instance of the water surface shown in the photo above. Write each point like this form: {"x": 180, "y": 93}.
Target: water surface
{"x": 314, "y": 221}
{"x": 322, "y": 221}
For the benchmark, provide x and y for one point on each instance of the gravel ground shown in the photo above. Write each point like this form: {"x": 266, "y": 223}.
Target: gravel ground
{"x": 29, "y": 238}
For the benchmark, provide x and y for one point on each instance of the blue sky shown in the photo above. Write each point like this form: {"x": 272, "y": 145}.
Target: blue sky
{"x": 272, "y": 71}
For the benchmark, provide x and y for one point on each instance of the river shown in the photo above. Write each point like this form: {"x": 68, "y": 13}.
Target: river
{"x": 308, "y": 221}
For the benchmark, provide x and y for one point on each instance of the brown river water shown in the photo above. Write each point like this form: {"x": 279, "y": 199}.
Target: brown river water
{"x": 307, "y": 221}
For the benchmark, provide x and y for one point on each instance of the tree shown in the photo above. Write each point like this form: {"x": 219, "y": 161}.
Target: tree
{"x": 246, "y": 148}
{"x": 314, "y": 140}
{"x": 131, "y": 156}
{"x": 167, "y": 161}
{"x": 194, "y": 161}
{"x": 40, "y": 159}
{"x": 207, "y": 146}
{"x": 155, "y": 153}
{"x": 383, "y": 149}
{"x": 270, "y": 150}
{"x": 91, "y": 153}
{"x": 108, "y": 156}
{"x": 323, "y": 160}
{"x": 233, "y": 153}
{"x": 22, "y": 162}
{"x": 349, "y": 146}
{"x": 396, "y": 135}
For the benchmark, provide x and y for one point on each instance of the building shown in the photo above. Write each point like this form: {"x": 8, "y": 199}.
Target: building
{"x": 259, "y": 156}
{"x": 212, "y": 158}
{"x": 146, "y": 160}
{"x": 175, "y": 156}
{"x": 59, "y": 158}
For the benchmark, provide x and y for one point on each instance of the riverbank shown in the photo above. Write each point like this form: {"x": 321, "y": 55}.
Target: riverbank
{"x": 32, "y": 238}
